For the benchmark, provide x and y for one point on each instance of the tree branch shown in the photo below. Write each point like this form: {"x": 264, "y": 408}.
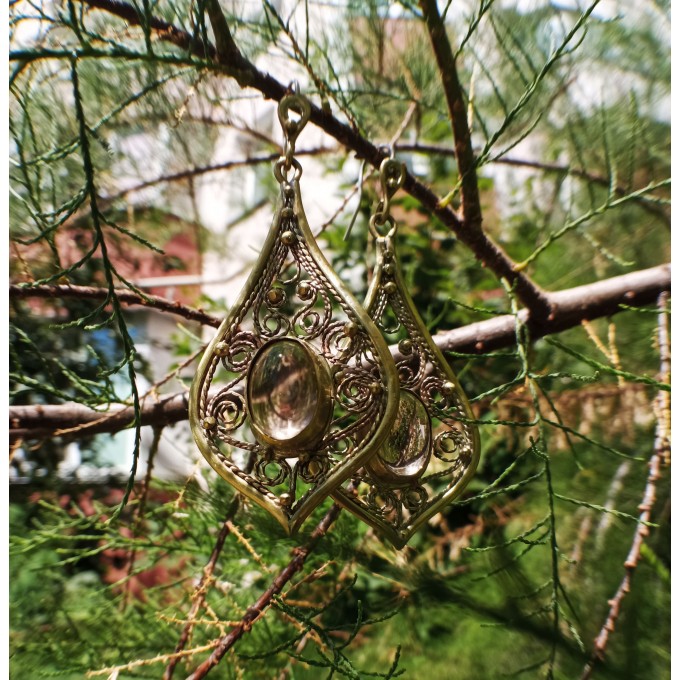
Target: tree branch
{"x": 594, "y": 300}
{"x": 300, "y": 555}
{"x": 164, "y": 30}
{"x": 126, "y": 297}
{"x": 456, "y": 102}
{"x": 201, "y": 589}
{"x": 227, "y": 52}
{"x": 470, "y": 231}
{"x": 246, "y": 74}
{"x": 647, "y": 202}
{"x": 205, "y": 169}
{"x": 661, "y": 452}
{"x": 570, "y": 308}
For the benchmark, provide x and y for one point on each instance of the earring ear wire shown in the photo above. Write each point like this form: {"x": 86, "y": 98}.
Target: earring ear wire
{"x": 386, "y": 150}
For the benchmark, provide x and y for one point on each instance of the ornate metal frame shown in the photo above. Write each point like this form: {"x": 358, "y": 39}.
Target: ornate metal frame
{"x": 293, "y": 293}
{"x": 395, "y": 503}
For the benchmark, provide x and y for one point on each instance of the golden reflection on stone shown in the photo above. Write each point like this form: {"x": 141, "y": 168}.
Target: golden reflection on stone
{"x": 406, "y": 452}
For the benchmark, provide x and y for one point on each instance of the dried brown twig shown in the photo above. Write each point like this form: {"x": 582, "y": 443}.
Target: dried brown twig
{"x": 254, "y": 612}
{"x": 661, "y": 452}
{"x": 200, "y": 592}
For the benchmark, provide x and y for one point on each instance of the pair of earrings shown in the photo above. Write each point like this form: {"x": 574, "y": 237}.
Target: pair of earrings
{"x": 298, "y": 395}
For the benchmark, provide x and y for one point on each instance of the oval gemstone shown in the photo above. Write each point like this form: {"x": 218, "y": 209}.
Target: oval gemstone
{"x": 406, "y": 452}
{"x": 288, "y": 405}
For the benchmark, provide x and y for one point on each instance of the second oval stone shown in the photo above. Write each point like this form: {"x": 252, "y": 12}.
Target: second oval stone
{"x": 406, "y": 452}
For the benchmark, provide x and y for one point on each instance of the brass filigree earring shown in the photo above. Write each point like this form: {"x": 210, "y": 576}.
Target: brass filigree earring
{"x": 298, "y": 388}
{"x": 432, "y": 450}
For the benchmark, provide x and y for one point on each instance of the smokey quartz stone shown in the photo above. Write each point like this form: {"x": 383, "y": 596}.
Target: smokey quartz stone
{"x": 405, "y": 454}
{"x": 289, "y": 392}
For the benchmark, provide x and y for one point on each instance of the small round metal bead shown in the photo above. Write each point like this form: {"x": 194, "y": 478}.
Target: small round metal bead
{"x": 387, "y": 255}
{"x": 350, "y": 329}
{"x": 209, "y": 423}
{"x": 375, "y": 388}
{"x": 388, "y": 268}
{"x": 448, "y": 388}
{"x": 285, "y": 499}
{"x": 286, "y": 213}
{"x": 275, "y": 295}
{"x": 405, "y": 346}
{"x": 221, "y": 349}
{"x": 288, "y": 192}
{"x": 390, "y": 287}
{"x": 304, "y": 290}
{"x": 288, "y": 238}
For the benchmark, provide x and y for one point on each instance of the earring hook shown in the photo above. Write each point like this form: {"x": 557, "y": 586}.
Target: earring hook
{"x": 387, "y": 150}
{"x": 392, "y": 175}
{"x": 298, "y": 104}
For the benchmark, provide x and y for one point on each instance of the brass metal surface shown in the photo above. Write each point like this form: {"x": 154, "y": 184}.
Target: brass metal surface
{"x": 398, "y": 491}
{"x": 293, "y": 293}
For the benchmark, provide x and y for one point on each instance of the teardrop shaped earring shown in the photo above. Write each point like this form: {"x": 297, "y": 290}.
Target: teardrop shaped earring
{"x": 432, "y": 450}
{"x": 298, "y": 388}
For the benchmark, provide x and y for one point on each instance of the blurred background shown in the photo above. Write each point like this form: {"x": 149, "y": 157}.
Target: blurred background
{"x": 139, "y": 163}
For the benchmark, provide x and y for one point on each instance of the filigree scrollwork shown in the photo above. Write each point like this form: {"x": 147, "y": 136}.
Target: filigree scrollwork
{"x": 312, "y": 469}
{"x": 312, "y": 320}
{"x": 450, "y": 445}
{"x": 414, "y": 497}
{"x": 433, "y": 448}
{"x": 237, "y": 353}
{"x": 229, "y": 410}
{"x": 298, "y": 374}
{"x": 271, "y": 471}
{"x": 385, "y": 503}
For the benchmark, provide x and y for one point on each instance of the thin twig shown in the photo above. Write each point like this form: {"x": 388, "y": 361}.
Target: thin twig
{"x": 217, "y": 167}
{"x": 652, "y": 203}
{"x": 246, "y": 74}
{"x": 300, "y": 554}
{"x": 198, "y": 598}
{"x": 112, "y": 672}
{"x": 661, "y": 450}
{"x": 126, "y": 297}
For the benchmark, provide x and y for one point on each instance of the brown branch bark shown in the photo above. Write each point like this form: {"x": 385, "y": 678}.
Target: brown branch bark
{"x": 456, "y": 102}
{"x": 77, "y": 420}
{"x": 202, "y": 588}
{"x": 246, "y": 74}
{"x": 205, "y": 169}
{"x": 470, "y": 230}
{"x": 661, "y": 452}
{"x": 164, "y": 30}
{"x": 300, "y": 555}
{"x": 571, "y": 306}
